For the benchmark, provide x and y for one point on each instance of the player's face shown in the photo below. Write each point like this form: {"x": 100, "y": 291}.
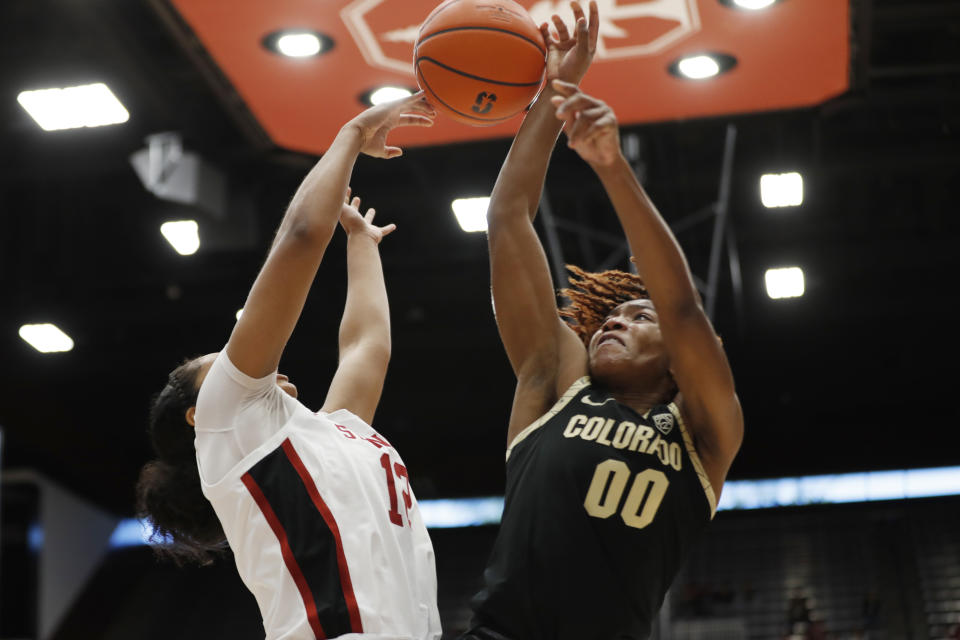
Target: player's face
{"x": 629, "y": 342}
{"x": 205, "y": 362}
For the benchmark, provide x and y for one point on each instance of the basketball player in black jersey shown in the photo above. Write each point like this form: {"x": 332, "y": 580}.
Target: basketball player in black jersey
{"x": 625, "y": 419}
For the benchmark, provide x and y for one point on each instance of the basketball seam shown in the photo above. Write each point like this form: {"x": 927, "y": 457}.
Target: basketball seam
{"x": 481, "y": 78}
{"x": 512, "y": 33}
{"x": 434, "y": 17}
{"x": 454, "y": 109}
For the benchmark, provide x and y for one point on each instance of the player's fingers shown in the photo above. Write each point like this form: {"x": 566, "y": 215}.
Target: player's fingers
{"x": 414, "y": 99}
{"x": 568, "y": 118}
{"x": 575, "y": 133}
{"x": 594, "y": 26}
{"x": 392, "y": 152}
{"x": 577, "y": 11}
{"x": 556, "y": 101}
{"x": 387, "y": 230}
{"x": 548, "y": 37}
{"x": 593, "y": 114}
{"x": 355, "y": 203}
{"x": 414, "y": 120}
{"x": 587, "y": 123}
{"x": 346, "y": 198}
{"x": 369, "y": 215}
{"x": 599, "y": 127}
{"x": 424, "y": 110}
{"x": 583, "y": 38}
{"x": 561, "y": 27}
{"x": 578, "y": 102}
{"x": 564, "y": 88}
{"x": 416, "y": 103}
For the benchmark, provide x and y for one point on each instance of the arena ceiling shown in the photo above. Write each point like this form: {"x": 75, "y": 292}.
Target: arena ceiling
{"x": 862, "y": 98}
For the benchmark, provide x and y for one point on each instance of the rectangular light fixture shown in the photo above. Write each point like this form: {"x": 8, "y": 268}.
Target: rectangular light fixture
{"x": 840, "y": 488}
{"x": 91, "y": 105}
{"x": 46, "y": 338}
{"x": 471, "y": 213}
{"x": 781, "y": 189}
{"x": 784, "y": 282}
{"x": 183, "y": 236}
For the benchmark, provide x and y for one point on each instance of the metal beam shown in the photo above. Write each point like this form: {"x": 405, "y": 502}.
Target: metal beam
{"x": 719, "y": 224}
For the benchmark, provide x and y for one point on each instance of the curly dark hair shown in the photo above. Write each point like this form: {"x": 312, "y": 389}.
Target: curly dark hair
{"x": 593, "y": 295}
{"x": 185, "y": 527}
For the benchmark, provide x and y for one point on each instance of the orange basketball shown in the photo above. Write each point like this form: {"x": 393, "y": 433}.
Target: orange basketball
{"x": 479, "y": 61}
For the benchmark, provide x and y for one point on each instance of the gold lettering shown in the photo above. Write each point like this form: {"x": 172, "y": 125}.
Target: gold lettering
{"x": 622, "y": 437}
{"x": 676, "y": 460}
{"x": 662, "y": 451}
{"x": 592, "y": 428}
{"x": 572, "y": 430}
{"x": 641, "y": 439}
{"x": 602, "y": 438}
{"x": 654, "y": 447}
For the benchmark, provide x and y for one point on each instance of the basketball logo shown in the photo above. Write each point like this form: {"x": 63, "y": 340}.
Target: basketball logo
{"x": 484, "y": 102}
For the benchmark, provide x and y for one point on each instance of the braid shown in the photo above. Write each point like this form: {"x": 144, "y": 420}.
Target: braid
{"x": 175, "y": 383}
{"x": 593, "y": 295}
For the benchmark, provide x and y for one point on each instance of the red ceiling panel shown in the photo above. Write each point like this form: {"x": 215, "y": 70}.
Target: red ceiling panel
{"x": 792, "y": 54}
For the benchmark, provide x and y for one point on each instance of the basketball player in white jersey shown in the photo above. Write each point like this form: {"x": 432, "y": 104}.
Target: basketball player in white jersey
{"x": 316, "y": 507}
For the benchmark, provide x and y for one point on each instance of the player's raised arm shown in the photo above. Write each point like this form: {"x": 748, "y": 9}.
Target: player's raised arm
{"x": 365, "y": 326}
{"x": 278, "y": 294}
{"x": 523, "y": 291}
{"x": 697, "y": 360}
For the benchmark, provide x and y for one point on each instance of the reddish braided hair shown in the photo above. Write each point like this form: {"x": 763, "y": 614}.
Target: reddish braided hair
{"x": 593, "y": 295}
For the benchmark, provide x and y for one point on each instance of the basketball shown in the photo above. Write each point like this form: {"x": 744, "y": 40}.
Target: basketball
{"x": 480, "y": 62}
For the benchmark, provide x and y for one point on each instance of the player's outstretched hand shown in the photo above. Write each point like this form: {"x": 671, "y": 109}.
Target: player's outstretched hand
{"x": 376, "y": 122}
{"x": 590, "y": 124}
{"x": 353, "y": 222}
{"x": 569, "y": 55}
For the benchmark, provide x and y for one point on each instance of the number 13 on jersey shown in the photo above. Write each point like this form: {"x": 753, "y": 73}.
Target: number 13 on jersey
{"x": 401, "y": 472}
{"x": 607, "y": 487}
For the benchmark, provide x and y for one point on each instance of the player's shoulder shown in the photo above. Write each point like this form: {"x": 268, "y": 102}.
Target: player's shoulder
{"x": 531, "y": 413}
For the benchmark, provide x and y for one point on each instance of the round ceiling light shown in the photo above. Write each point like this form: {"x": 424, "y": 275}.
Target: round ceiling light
{"x": 702, "y": 65}
{"x": 379, "y": 95}
{"x": 297, "y": 43}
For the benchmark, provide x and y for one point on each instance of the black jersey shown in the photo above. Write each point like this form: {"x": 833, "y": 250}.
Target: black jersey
{"x": 602, "y": 504}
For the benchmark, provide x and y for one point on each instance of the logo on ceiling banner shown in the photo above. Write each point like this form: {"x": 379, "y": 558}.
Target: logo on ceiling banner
{"x": 385, "y": 30}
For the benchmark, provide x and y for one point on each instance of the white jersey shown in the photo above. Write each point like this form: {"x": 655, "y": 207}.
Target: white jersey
{"x": 318, "y": 511}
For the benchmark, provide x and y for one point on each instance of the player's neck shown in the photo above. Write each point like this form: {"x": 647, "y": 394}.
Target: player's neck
{"x": 643, "y": 400}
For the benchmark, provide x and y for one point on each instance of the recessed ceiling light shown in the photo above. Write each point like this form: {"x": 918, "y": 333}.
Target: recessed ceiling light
{"x": 91, "y": 105}
{"x": 781, "y": 189}
{"x": 749, "y": 5}
{"x": 702, "y": 65}
{"x": 183, "y": 236}
{"x": 46, "y": 338}
{"x": 385, "y": 94}
{"x": 471, "y": 213}
{"x": 785, "y": 282}
{"x": 297, "y": 43}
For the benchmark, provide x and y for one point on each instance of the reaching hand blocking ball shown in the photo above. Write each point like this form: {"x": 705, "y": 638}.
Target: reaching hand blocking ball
{"x": 479, "y": 61}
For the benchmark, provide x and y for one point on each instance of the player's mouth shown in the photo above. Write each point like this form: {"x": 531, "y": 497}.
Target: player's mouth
{"x": 610, "y": 337}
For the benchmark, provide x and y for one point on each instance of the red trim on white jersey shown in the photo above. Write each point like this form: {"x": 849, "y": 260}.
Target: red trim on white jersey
{"x": 295, "y": 572}
{"x": 345, "y": 583}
